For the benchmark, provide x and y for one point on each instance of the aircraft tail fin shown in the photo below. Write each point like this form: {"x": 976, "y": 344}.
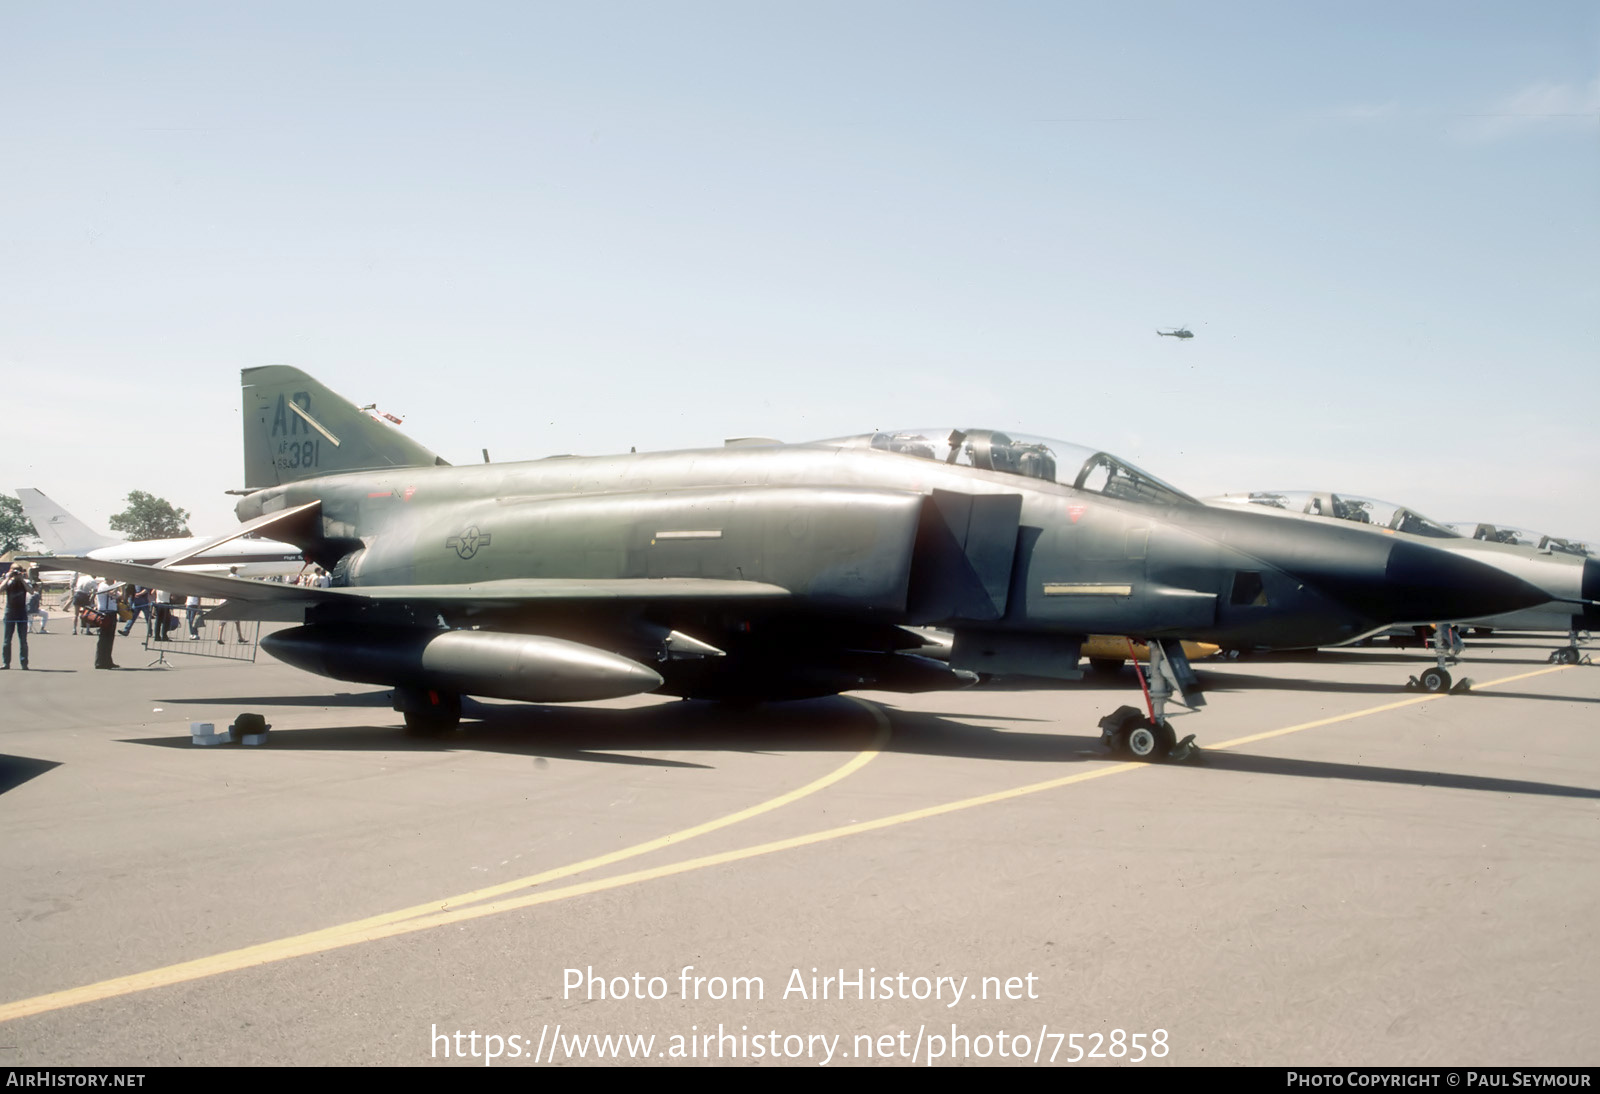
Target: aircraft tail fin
{"x": 62, "y": 533}
{"x": 295, "y": 428}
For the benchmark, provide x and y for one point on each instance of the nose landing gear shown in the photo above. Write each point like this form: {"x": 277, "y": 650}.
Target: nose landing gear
{"x": 1447, "y": 647}
{"x": 1571, "y": 653}
{"x": 1146, "y": 735}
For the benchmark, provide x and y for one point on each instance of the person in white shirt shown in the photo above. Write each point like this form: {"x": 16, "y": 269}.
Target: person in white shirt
{"x": 106, "y": 605}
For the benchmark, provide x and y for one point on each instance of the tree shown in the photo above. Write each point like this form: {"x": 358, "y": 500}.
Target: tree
{"x": 14, "y": 526}
{"x": 150, "y": 517}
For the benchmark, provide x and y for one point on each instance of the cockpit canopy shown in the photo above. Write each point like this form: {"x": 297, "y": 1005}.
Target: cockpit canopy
{"x": 1522, "y": 537}
{"x": 1351, "y": 507}
{"x": 1029, "y": 457}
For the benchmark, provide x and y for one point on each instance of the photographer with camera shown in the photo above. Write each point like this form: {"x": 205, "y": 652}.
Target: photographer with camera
{"x": 17, "y": 589}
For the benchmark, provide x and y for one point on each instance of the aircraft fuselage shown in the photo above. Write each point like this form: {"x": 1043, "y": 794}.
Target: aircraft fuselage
{"x": 876, "y": 536}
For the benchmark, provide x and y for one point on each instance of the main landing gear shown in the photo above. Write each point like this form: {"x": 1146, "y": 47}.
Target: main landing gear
{"x": 1146, "y": 735}
{"x": 1447, "y": 647}
{"x": 428, "y": 713}
{"x": 1572, "y": 653}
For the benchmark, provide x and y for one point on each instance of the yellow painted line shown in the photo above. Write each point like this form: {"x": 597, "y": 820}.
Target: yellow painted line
{"x": 1520, "y": 676}
{"x": 1237, "y": 741}
{"x": 411, "y": 920}
{"x": 362, "y": 930}
{"x": 603, "y": 884}
{"x": 353, "y": 934}
{"x": 1252, "y": 738}
{"x": 850, "y": 767}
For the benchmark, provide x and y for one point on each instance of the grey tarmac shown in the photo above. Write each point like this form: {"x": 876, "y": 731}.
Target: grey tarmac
{"x": 1397, "y": 879}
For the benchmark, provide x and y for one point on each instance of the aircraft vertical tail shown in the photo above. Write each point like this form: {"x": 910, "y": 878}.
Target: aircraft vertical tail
{"x": 61, "y": 532}
{"x": 295, "y": 428}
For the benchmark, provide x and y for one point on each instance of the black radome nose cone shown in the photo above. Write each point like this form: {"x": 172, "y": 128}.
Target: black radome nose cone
{"x": 1589, "y": 615}
{"x": 1427, "y": 585}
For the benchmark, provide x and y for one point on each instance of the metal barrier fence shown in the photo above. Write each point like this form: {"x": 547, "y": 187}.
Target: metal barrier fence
{"x": 189, "y": 631}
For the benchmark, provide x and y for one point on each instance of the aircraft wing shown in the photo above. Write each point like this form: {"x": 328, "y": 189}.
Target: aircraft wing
{"x": 191, "y": 583}
{"x": 489, "y": 593}
{"x": 533, "y": 592}
{"x": 269, "y": 599}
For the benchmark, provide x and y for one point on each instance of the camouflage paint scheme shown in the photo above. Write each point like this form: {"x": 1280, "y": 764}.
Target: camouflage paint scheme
{"x": 773, "y": 571}
{"x": 797, "y": 564}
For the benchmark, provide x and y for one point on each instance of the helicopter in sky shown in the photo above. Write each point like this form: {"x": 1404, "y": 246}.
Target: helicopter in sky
{"x": 1180, "y": 332}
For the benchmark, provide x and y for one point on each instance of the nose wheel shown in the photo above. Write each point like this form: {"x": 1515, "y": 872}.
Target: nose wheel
{"x": 1130, "y": 734}
{"x": 1447, "y": 647}
{"x": 1434, "y": 680}
{"x": 1571, "y": 653}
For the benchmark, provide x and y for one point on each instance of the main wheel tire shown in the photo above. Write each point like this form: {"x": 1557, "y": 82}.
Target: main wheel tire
{"x": 1565, "y": 656}
{"x": 1435, "y": 680}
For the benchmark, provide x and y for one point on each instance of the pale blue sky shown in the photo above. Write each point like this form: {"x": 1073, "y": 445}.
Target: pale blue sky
{"x": 579, "y": 227}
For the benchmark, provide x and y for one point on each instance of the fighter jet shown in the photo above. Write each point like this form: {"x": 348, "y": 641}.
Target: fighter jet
{"x": 1543, "y": 549}
{"x": 779, "y": 571}
{"x": 1180, "y": 332}
{"x": 65, "y": 534}
{"x": 1522, "y": 537}
{"x": 1569, "y": 577}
